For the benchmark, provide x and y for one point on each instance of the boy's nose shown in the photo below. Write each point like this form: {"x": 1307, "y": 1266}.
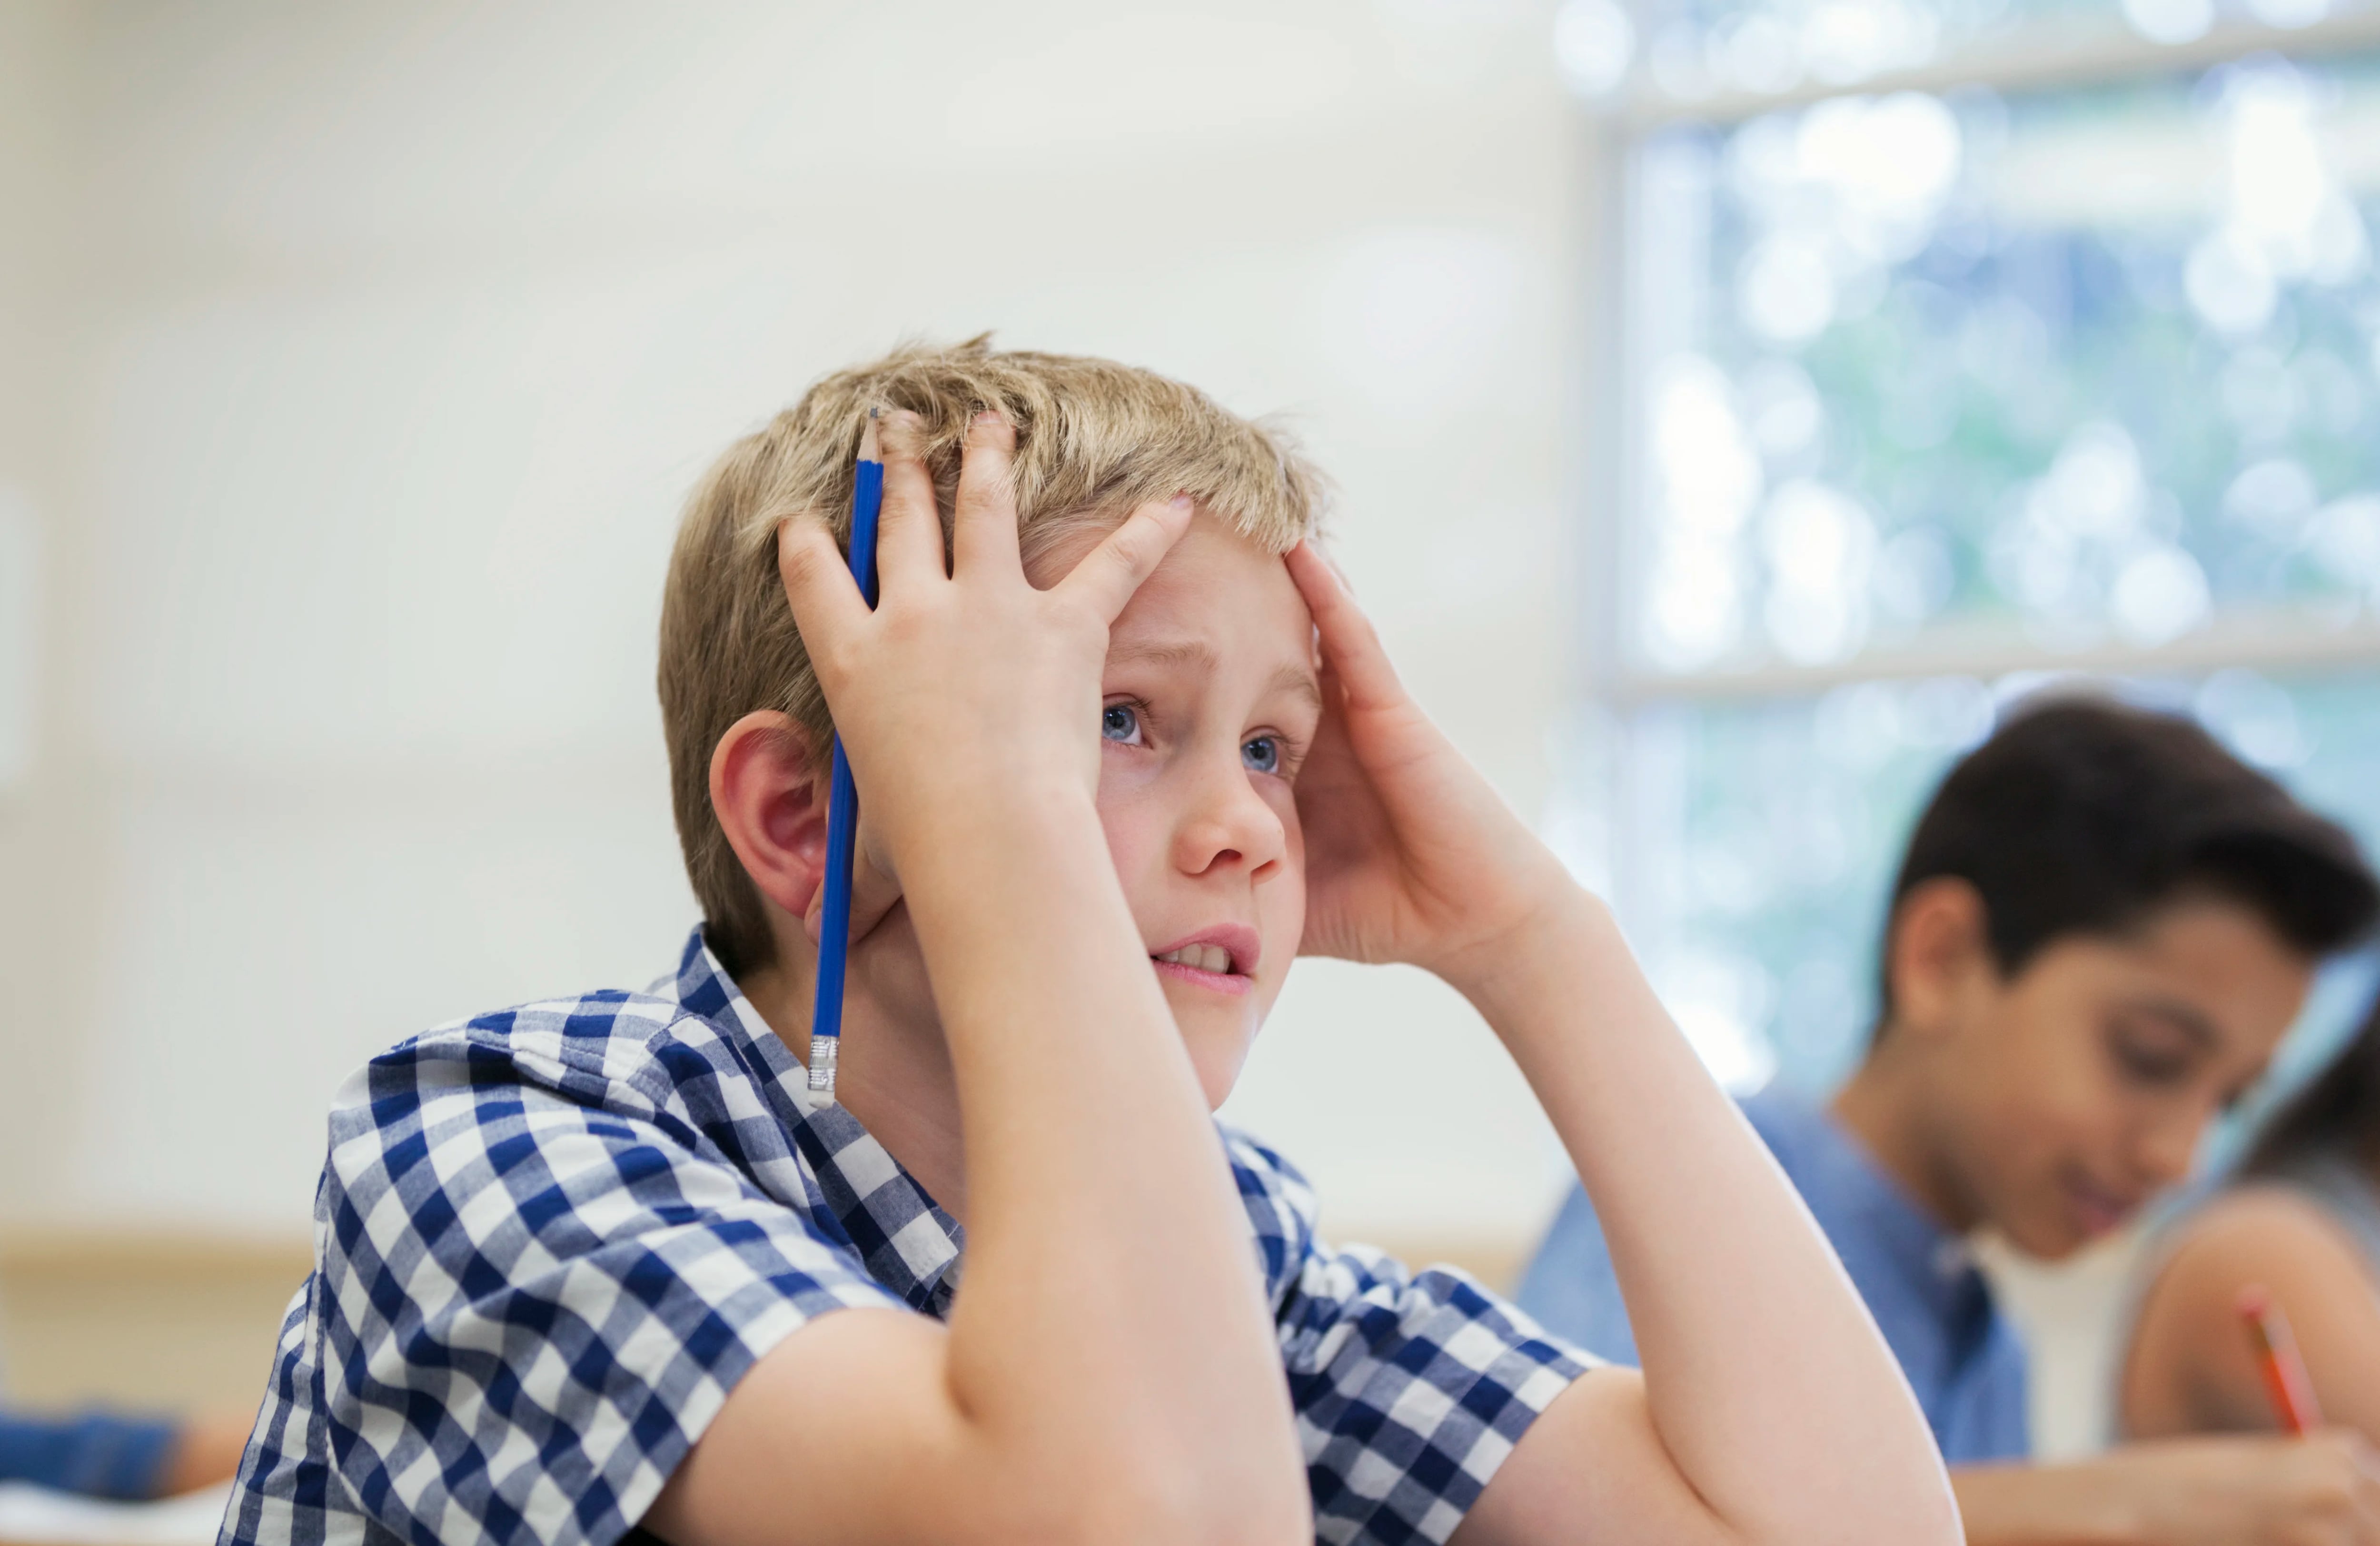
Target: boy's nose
{"x": 2169, "y": 1145}
{"x": 1228, "y": 823}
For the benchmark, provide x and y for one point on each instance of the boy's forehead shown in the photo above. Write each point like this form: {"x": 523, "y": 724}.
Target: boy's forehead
{"x": 2212, "y": 968}
{"x": 1218, "y": 590}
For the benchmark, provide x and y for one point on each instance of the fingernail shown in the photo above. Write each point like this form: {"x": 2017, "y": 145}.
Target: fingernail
{"x": 1181, "y": 501}
{"x": 986, "y": 418}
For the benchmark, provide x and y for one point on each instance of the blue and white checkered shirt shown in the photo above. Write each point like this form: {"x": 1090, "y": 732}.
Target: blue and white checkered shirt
{"x": 550, "y": 1240}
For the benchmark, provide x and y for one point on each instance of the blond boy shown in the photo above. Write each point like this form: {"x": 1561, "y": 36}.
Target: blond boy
{"x": 580, "y": 1261}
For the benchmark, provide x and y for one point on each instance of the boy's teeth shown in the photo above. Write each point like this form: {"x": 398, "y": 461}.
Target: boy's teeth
{"x": 1205, "y": 957}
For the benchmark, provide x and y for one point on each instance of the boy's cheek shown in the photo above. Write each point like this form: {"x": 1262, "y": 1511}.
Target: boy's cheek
{"x": 1136, "y": 838}
{"x": 892, "y": 964}
{"x": 1281, "y": 917}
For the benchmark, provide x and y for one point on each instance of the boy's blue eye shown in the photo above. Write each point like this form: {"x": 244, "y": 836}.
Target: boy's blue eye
{"x": 1261, "y": 755}
{"x": 1121, "y": 724}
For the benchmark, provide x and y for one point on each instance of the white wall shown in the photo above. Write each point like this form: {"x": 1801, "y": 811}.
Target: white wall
{"x": 379, "y": 343}
{"x": 46, "y": 819}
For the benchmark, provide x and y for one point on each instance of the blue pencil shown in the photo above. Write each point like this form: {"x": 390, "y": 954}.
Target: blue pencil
{"x": 843, "y": 800}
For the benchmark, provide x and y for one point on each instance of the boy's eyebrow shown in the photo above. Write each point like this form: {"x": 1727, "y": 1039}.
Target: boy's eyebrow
{"x": 1187, "y": 653}
{"x": 1299, "y": 682}
{"x": 1296, "y": 680}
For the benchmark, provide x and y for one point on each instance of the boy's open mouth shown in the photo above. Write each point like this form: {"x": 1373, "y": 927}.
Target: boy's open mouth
{"x": 1206, "y": 958}
{"x": 1223, "y": 959}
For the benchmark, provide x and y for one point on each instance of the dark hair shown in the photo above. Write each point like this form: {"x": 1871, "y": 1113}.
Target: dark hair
{"x": 2083, "y": 815}
{"x": 2339, "y": 1109}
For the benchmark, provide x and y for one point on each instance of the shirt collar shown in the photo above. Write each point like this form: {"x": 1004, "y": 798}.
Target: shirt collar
{"x": 1838, "y": 1175}
{"x": 909, "y": 1244}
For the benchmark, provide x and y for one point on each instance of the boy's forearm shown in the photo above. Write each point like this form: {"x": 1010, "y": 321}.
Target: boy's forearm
{"x": 1781, "y": 1404}
{"x": 1085, "y": 1126}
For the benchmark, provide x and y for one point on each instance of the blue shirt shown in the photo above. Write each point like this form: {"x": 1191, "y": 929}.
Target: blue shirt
{"x": 1962, "y": 1355}
{"x": 550, "y": 1240}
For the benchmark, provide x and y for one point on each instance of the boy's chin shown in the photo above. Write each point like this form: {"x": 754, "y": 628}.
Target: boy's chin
{"x": 1217, "y": 1037}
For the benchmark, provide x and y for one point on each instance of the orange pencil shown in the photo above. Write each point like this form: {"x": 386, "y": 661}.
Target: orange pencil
{"x": 2276, "y": 1352}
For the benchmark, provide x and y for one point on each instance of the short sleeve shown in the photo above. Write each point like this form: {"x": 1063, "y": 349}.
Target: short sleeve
{"x": 530, "y": 1309}
{"x": 1410, "y": 1388}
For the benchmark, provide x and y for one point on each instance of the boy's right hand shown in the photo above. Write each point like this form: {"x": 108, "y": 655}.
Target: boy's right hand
{"x": 966, "y": 691}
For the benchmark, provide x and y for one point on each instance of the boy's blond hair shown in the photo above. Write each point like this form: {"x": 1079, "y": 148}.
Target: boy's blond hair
{"x": 1094, "y": 440}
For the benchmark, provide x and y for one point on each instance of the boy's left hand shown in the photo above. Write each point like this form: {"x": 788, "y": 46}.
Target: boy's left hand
{"x": 1409, "y": 855}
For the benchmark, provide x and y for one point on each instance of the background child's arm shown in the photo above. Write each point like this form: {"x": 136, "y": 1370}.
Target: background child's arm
{"x": 1769, "y": 1409}
{"x": 1110, "y": 1373}
{"x": 2190, "y": 1368}
{"x": 2232, "y": 1490}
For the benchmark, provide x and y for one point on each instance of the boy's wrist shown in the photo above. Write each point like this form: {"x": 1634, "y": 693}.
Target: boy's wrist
{"x": 1542, "y": 952}
{"x": 954, "y": 839}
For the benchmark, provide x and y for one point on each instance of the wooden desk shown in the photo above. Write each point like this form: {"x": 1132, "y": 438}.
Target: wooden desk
{"x": 143, "y": 1319}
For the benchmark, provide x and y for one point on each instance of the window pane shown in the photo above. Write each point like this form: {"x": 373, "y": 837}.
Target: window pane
{"x": 1764, "y": 836}
{"x": 2076, "y": 368}
{"x": 1700, "y": 46}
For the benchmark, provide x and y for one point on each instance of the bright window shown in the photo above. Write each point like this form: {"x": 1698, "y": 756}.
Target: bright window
{"x": 1963, "y": 346}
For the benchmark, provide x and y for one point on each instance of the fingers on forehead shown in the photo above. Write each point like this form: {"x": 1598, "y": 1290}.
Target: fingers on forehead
{"x": 952, "y": 458}
{"x": 1317, "y": 581}
{"x": 817, "y": 583}
{"x": 942, "y": 440}
{"x": 1350, "y": 645}
{"x": 903, "y": 434}
{"x": 906, "y": 476}
{"x": 991, "y": 429}
{"x": 990, "y": 449}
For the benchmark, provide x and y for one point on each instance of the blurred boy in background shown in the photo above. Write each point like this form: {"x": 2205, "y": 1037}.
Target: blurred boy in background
{"x": 2104, "y": 924}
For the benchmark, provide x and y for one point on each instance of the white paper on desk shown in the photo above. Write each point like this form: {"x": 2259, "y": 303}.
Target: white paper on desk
{"x": 30, "y": 1512}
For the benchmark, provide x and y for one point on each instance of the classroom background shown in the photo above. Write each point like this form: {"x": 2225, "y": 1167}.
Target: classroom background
{"x": 1732, "y": 403}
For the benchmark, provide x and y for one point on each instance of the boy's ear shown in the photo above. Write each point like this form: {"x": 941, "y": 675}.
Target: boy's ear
{"x": 769, "y": 794}
{"x": 1939, "y": 941}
